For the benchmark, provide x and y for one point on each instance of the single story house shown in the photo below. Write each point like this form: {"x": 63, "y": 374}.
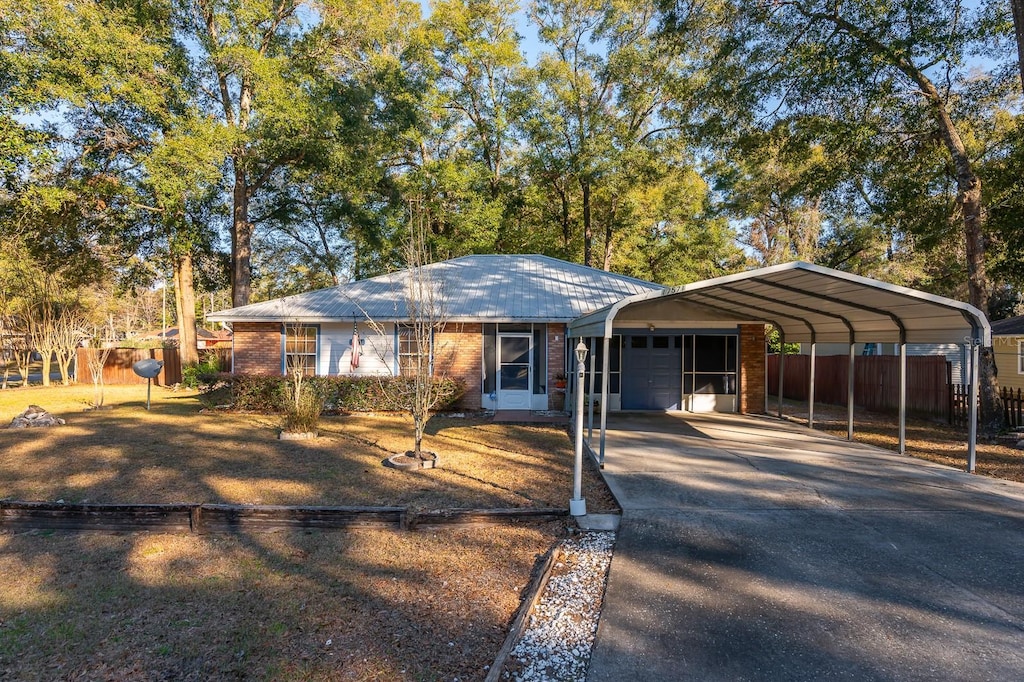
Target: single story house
{"x": 511, "y": 322}
{"x": 505, "y": 336}
{"x": 1008, "y": 346}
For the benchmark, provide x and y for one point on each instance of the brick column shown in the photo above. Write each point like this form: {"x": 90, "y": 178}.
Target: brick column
{"x": 459, "y": 352}
{"x": 556, "y": 364}
{"x": 257, "y": 347}
{"x": 752, "y": 369}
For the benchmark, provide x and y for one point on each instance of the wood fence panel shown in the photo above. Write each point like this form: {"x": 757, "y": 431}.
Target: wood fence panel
{"x": 118, "y": 368}
{"x": 876, "y": 381}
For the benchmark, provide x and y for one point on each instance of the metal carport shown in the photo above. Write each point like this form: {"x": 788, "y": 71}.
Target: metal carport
{"x": 808, "y": 304}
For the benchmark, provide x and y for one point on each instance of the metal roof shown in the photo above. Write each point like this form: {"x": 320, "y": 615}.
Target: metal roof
{"x": 808, "y": 303}
{"x": 488, "y": 288}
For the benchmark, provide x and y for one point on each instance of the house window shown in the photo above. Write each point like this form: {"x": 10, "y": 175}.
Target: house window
{"x": 410, "y": 351}
{"x": 1020, "y": 357}
{"x": 300, "y": 349}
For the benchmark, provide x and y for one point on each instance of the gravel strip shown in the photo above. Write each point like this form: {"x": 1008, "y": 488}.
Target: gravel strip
{"x": 557, "y": 642}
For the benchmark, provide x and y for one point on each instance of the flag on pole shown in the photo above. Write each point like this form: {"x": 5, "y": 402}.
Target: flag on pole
{"x": 356, "y": 350}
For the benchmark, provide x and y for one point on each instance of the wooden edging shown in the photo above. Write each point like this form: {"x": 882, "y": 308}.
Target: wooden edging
{"x": 201, "y": 518}
{"x": 536, "y": 589}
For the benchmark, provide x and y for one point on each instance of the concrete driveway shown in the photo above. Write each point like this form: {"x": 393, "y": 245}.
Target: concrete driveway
{"x": 753, "y": 549}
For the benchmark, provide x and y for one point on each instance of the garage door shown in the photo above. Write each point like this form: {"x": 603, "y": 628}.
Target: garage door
{"x": 652, "y": 371}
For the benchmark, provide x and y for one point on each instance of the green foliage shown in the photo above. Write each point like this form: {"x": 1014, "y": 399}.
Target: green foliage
{"x": 269, "y": 394}
{"x": 202, "y": 375}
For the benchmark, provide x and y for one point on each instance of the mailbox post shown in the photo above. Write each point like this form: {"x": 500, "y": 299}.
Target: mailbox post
{"x": 148, "y": 369}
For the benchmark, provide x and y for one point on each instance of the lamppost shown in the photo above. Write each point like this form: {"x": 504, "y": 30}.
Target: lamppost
{"x": 577, "y": 505}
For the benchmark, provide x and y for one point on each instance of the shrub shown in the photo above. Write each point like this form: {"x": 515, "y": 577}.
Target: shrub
{"x": 204, "y": 375}
{"x": 271, "y": 394}
{"x": 303, "y": 415}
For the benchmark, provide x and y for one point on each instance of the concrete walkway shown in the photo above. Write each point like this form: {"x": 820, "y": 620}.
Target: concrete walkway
{"x": 753, "y": 549}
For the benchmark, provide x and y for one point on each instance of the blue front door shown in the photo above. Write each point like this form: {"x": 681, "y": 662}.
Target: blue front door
{"x": 652, "y": 371}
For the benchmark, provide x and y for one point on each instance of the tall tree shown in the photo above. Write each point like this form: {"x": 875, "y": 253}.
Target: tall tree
{"x": 254, "y": 74}
{"x": 603, "y": 91}
{"x": 905, "y": 67}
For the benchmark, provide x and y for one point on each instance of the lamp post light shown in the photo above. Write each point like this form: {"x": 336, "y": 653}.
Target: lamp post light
{"x": 577, "y": 505}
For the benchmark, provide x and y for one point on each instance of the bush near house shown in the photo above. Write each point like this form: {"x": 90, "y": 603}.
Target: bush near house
{"x": 269, "y": 393}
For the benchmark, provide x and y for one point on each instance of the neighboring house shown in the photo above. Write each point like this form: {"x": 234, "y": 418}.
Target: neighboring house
{"x": 1008, "y": 344}
{"x": 505, "y": 336}
{"x": 204, "y": 337}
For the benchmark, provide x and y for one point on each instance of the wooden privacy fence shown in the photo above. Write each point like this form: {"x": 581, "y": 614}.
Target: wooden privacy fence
{"x": 118, "y": 368}
{"x": 876, "y": 381}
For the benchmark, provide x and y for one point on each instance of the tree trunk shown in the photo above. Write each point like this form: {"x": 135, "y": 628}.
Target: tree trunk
{"x": 185, "y": 303}
{"x": 588, "y": 228}
{"x": 241, "y": 240}
{"x": 47, "y": 356}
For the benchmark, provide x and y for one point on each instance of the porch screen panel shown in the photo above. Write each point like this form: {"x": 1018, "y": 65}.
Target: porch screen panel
{"x": 614, "y": 364}
{"x": 540, "y": 359}
{"x": 714, "y": 365}
{"x": 490, "y": 384}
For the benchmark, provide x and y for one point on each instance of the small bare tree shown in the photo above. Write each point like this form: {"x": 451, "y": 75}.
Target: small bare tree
{"x": 422, "y": 365}
{"x": 305, "y": 404}
{"x": 96, "y": 358}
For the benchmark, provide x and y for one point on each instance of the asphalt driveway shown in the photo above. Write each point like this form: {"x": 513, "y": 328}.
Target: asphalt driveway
{"x": 754, "y": 549}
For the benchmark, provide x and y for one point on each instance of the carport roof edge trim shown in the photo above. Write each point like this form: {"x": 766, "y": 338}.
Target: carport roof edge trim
{"x": 600, "y": 322}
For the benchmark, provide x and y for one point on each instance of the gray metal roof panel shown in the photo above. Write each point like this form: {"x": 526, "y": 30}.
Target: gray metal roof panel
{"x": 498, "y": 288}
{"x": 797, "y": 294}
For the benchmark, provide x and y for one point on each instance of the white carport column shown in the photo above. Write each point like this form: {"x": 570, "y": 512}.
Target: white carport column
{"x": 972, "y": 409}
{"x": 851, "y": 373}
{"x": 590, "y": 391}
{"x": 782, "y": 368}
{"x": 903, "y": 396}
{"x": 604, "y": 395}
{"x": 810, "y": 388}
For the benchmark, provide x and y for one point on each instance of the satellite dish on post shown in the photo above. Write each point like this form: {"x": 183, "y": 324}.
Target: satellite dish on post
{"x": 148, "y": 370}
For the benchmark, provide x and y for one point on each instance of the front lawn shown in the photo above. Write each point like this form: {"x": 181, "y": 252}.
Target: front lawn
{"x": 288, "y": 605}
{"x": 177, "y": 452}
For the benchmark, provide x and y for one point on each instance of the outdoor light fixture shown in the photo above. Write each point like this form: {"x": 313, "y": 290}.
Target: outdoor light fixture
{"x": 577, "y": 505}
{"x": 650, "y": 326}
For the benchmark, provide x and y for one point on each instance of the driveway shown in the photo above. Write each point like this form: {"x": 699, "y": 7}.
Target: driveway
{"x": 754, "y": 549}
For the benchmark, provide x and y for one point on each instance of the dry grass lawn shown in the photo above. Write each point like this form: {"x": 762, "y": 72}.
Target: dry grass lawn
{"x": 177, "y": 453}
{"x": 926, "y": 439}
{"x": 287, "y": 605}
{"x": 365, "y": 605}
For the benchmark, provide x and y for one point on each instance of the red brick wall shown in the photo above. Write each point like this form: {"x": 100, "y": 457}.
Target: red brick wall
{"x": 556, "y": 364}
{"x": 459, "y": 352}
{"x": 257, "y": 347}
{"x": 752, "y": 369}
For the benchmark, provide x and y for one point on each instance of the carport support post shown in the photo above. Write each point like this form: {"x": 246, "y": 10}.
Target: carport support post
{"x": 903, "y": 395}
{"x": 972, "y": 409}
{"x": 605, "y": 383}
{"x": 782, "y": 367}
{"x": 590, "y": 406}
{"x": 810, "y": 389}
{"x": 851, "y": 373}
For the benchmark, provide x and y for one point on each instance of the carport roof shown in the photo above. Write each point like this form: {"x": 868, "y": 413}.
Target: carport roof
{"x": 809, "y": 303}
